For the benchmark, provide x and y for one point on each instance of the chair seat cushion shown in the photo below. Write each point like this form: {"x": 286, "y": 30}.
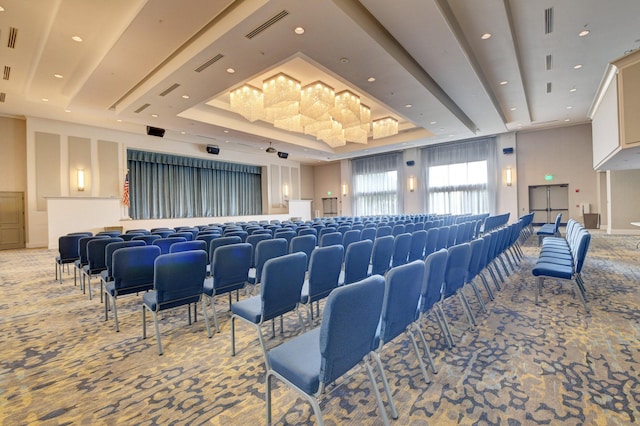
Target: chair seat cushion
{"x": 547, "y": 229}
{"x": 552, "y": 270}
{"x": 150, "y": 300}
{"x": 104, "y": 275}
{"x": 249, "y": 309}
{"x": 298, "y": 360}
{"x": 110, "y": 287}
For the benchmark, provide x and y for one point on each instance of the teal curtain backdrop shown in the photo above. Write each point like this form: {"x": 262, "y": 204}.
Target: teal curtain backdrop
{"x": 171, "y": 186}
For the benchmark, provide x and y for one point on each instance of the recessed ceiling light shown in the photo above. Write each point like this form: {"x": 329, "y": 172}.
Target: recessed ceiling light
{"x": 57, "y": 75}
{"x": 77, "y": 39}
{"x": 433, "y": 122}
{"x": 408, "y": 106}
{"x": 183, "y": 132}
{"x": 485, "y": 36}
{"x": 573, "y": 89}
{"x": 226, "y": 131}
{"x": 299, "y": 30}
{"x": 226, "y": 141}
{"x": 569, "y": 107}
{"x": 567, "y": 119}
{"x": 67, "y": 110}
{"x": 230, "y": 71}
{"x": 119, "y": 120}
{"x": 344, "y": 60}
{"x": 45, "y": 100}
{"x": 583, "y": 33}
{"x": 577, "y": 67}
{"x": 1, "y": 9}
{"x": 185, "y": 96}
{"x": 513, "y": 108}
{"x": 154, "y": 115}
{"x": 371, "y": 79}
{"x": 503, "y": 82}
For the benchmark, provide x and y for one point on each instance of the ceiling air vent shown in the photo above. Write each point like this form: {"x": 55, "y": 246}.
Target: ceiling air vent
{"x": 2, "y": 96}
{"x": 7, "y": 72}
{"x": 209, "y": 62}
{"x": 549, "y": 62}
{"x": 549, "y": 87}
{"x": 11, "y": 41}
{"x": 548, "y": 20}
{"x": 266, "y": 24}
{"x": 170, "y": 89}
{"x": 142, "y": 108}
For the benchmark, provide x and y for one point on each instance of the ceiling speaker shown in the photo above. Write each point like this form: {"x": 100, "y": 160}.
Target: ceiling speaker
{"x": 507, "y": 150}
{"x": 411, "y": 163}
{"x": 213, "y": 149}
{"x": 155, "y": 131}
{"x": 283, "y": 154}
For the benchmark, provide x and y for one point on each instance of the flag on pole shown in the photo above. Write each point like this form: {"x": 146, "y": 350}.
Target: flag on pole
{"x": 125, "y": 193}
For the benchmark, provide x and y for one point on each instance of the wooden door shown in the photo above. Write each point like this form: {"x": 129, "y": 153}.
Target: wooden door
{"x": 11, "y": 220}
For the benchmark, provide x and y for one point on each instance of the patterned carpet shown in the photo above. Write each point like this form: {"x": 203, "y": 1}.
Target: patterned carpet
{"x": 61, "y": 363}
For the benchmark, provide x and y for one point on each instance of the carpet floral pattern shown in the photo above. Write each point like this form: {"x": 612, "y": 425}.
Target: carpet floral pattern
{"x": 61, "y": 363}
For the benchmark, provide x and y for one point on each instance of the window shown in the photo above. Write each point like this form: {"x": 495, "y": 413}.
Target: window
{"x": 460, "y": 177}
{"x": 170, "y": 186}
{"x": 376, "y": 188}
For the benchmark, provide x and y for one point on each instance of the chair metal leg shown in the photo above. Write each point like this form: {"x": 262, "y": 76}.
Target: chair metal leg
{"x": 385, "y": 385}
{"x": 155, "y": 322}
{"x": 304, "y": 329}
{"x": 206, "y": 319}
{"x": 417, "y": 352}
{"x": 445, "y": 323}
{"x": 115, "y": 313}
{"x": 486, "y": 285}
{"x": 264, "y": 347}
{"x": 426, "y": 346}
{"x": 267, "y": 396}
{"x": 383, "y": 413}
{"x": 215, "y": 316}
{"x": 538, "y": 288}
{"x": 466, "y": 308}
{"x": 478, "y": 296}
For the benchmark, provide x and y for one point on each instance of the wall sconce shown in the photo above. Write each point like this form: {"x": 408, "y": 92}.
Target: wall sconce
{"x": 509, "y": 176}
{"x": 412, "y": 183}
{"x": 344, "y": 189}
{"x": 285, "y": 191}
{"x": 80, "y": 180}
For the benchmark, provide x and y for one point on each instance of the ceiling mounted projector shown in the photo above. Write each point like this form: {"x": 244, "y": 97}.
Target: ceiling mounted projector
{"x": 271, "y": 149}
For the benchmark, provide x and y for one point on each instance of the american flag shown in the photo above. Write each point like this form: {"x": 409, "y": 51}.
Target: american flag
{"x": 125, "y": 192}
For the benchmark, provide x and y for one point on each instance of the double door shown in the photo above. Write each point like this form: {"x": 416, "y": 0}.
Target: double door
{"x": 546, "y": 201}
{"x": 11, "y": 220}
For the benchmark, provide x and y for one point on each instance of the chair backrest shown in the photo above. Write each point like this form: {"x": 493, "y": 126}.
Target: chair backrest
{"x": 112, "y": 234}
{"x": 268, "y": 249}
{"x": 583, "y": 247}
{"x": 188, "y": 245}
{"x": 307, "y": 231}
{"x": 68, "y": 247}
{"x": 457, "y": 268}
{"x": 324, "y": 271}
{"x": 148, "y": 239}
{"x": 188, "y": 236}
{"x": 409, "y": 227}
{"x": 254, "y": 239}
{"x": 130, "y": 235}
{"x": 112, "y": 247}
{"x": 418, "y": 244}
{"x": 351, "y": 236}
{"x": 96, "y": 253}
{"x": 349, "y": 324}
{"x": 330, "y": 239}
{"x": 281, "y": 284}
{"x": 285, "y": 233}
{"x": 166, "y": 243}
{"x": 207, "y": 238}
{"x": 368, "y": 234}
{"x": 230, "y": 267}
{"x": 178, "y": 278}
{"x": 477, "y": 249}
{"x": 484, "y": 255}
{"x": 138, "y": 231}
{"x": 163, "y": 233}
{"x": 383, "y": 230}
{"x": 222, "y": 241}
{"x": 238, "y": 233}
{"x": 461, "y": 233}
{"x": 556, "y": 224}
{"x": 356, "y": 261}
{"x": 303, "y": 243}
{"x": 381, "y": 255}
{"x": 401, "y": 297}
{"x": 418, "y": 226}
{"x": 432, "y": 241}
{"x": 431, "y": 292}
{"x": 82, "y": 246}
{"x": 133, "y": 267}
{"x": 401, "y": 248}
{"x": 397, "y": 230}
{"x": 453, "y": 233}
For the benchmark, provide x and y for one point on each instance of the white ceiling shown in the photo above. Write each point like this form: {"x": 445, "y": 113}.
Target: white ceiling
{"x": 425, "y": 53}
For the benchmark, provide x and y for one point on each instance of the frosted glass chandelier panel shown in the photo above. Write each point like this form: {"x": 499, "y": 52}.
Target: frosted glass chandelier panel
{"x": 317, "y": 99}
{"x": 248, "y": 101}
{"x": 346, "y": 110}
{"x": 385, "y": 127}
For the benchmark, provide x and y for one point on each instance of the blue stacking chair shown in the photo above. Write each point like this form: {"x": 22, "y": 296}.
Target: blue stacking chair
{"x": 454, "y": 278}
{"x": 401, "y": 248}
{"x": 324, "y": 274}
{"x": 132, "y": 272}
{"x": 331, "y": 239}
{"x": 130, "y": 235}
{"x": 477, "y": 246}
{"x": 285, "y": 233}
{"x": 399, "y": 315}
{"x": 397, "y": 230}
{"x": 82, "y": 261}
{"x": 107, "y": 274}
{"x": 310, "y": 362}
{"x": 356, "y": 262}
{"x": 163, "y": 233}
{"x": 381, "y": 255}
{"x": 229, "y": 272}
{"x": 303, "y": 243}
{"x": 418, "y": 245}
{"x": 111, "y": 234}
{"x": 280, "y": 289}
{"x": 307, "y": 231}
{"x": 351, "y": 236}
{"x": 382, "y": 231}
{"x": 432, "y": 241}
{"x": 453, "y": 234}
{"x": 67, "y": 252}
{"x": 431, "y": 295}
{"x": 96, "y": 259}
{"x": 237, "y": 233}
{"x": 409, "y": 227}
{"x": 188, "y": 245}
{"x": 166, "y": 243}
{"x": 254, "y": 239}
{"x": 177, "y": 281}
{"x": 222, "y": 241}
{"x": 265, "y": 250}
{"x": 188, "y": 236}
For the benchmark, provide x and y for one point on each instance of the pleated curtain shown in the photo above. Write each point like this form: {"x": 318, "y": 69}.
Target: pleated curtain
{"x": 377, "y": 185}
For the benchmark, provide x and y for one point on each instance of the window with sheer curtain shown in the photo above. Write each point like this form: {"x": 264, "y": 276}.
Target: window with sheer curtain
{"x": 172, "y": 186}
{"x": 376, "y": 185}
{"x": 460, "y": 177}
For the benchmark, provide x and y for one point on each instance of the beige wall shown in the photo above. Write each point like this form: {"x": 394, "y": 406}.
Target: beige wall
{"x": 13, "y": 154}
{"x": 326, "y": 178}
{"x": 624, "y": 206}
{"x": 565, "y": 153}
